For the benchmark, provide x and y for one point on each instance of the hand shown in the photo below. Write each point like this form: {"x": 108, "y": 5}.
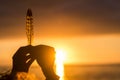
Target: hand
{"x": 22, "y": 60}
{"x": 45, "y": 56}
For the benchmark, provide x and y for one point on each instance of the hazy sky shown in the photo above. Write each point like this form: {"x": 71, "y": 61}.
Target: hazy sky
{"x": 76, "y": 16}
{"x": 89, "y": 28}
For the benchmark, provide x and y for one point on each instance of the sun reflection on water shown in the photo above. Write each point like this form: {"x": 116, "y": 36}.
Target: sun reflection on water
{"x": 60, "y": 55}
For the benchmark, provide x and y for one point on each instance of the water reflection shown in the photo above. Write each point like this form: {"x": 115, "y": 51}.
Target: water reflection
{"x": 60, "y": 64}
{"x": 60, "y": 70}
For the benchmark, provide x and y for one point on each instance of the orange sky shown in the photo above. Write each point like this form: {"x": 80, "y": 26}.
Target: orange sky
{"x": 79, "y": 50}
{"x": 88, "y": 31}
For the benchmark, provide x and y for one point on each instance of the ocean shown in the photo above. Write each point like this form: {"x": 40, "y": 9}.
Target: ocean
{"x": 78, "y": 72}
{"x": 98, "y": 72}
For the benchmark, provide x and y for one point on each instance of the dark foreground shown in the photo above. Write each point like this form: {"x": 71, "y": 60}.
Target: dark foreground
{"x": 77, "y": 72}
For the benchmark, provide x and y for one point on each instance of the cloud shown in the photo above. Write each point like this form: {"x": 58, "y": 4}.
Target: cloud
{"x": 97, "y": 16}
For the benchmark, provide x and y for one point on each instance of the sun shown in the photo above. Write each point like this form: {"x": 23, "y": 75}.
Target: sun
{"x": 60, "y": 56}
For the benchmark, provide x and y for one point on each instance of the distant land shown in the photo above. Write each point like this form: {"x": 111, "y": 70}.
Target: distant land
{"x": 92, "y": 65}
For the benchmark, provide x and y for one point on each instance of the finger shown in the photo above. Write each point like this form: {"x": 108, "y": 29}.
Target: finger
{"x": 28, "y": 54}
{"x": 30, "y": 62}
{"x": 27, "y": 57}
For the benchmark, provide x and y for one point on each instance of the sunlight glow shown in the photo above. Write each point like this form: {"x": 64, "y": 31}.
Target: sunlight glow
{"x": 60, "y": 56}
{"x": 25, "y": 76}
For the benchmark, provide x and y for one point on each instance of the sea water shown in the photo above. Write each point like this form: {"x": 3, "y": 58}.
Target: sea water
{"x": 78, "y": 72}
{"x": 92, "y": 72}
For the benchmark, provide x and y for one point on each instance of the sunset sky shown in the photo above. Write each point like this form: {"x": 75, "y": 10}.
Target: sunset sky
{"x": 88, "y": 31}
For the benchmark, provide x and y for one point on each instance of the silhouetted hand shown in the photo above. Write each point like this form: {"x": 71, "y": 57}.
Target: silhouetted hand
{"x": 22, "y": 60}
{"x": 45, "y": 56}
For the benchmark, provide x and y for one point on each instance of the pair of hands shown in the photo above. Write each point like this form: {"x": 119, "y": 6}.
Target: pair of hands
{"x": 45, "y": 56}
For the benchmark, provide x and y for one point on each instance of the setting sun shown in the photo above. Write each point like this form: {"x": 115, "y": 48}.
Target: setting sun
{"x": 60, "y": 56}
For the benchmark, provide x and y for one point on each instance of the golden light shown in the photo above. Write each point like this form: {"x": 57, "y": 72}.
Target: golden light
{"x": 60, "y": 56}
